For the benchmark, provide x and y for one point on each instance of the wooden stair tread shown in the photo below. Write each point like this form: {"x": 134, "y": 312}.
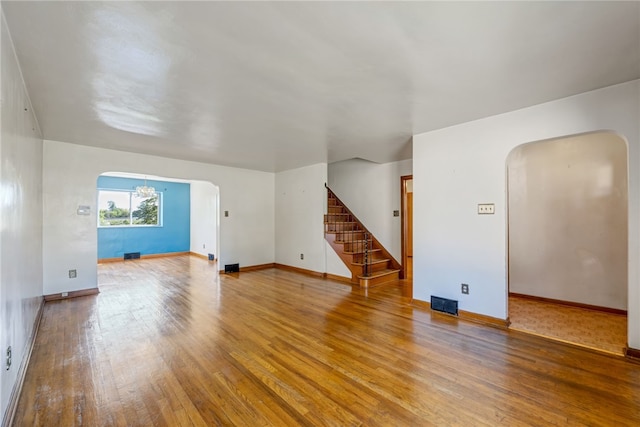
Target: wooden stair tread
{"x": 380, "y": 273}
{"x": 373, "y": 261}
{"x": 362, "y": 251}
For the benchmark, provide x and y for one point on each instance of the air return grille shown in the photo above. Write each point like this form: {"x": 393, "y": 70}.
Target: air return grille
{"x": 132, "y": 255}
{"x": 444, "y": 305}
{"x": 231, "y": 268}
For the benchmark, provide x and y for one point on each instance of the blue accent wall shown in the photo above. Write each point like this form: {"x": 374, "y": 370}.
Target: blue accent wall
{"x": 172, "y": 236}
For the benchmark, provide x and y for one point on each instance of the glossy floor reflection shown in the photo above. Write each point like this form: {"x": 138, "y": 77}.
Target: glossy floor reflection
{"x": 170, "y": 342}
{"x": 589, "y": 328}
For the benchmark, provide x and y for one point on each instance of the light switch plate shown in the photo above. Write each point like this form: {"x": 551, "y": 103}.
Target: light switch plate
{"x": 486, "y": 208}
{"x": 84, "y": 210}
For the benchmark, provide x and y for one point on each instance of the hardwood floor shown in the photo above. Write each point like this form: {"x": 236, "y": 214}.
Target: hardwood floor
{"x": 171, "y": 342}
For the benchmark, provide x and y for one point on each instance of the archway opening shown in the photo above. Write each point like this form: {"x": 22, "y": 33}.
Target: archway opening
{"x": 567, "y": 239}
{"x": 183, "y": 217}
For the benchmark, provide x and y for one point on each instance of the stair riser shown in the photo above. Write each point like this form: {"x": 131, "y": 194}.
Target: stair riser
{"x": 336, "y": 227}
{"x": 356, "y": 247}
{"x": 348, "y": 237}
{"x": 376, "y": 267}
{"x": 373, "y": 255}
{"x": 336, "y": 209}
{"x": 337, "y": 218}
{"x": 367, "y": 283}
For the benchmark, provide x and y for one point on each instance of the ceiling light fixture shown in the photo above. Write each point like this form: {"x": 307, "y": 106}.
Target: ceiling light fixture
{"x": 144, "y": 191}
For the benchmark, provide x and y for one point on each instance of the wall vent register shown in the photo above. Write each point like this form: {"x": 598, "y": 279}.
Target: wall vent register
{"x": 132, "y": 255}
{"x": 444, "y": 305}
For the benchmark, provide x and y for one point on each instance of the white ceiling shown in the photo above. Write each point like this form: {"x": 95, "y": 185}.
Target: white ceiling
{"x": 275, "y": 86}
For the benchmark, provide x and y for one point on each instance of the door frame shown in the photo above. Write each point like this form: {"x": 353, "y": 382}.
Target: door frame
{"x": 403, "y": 220}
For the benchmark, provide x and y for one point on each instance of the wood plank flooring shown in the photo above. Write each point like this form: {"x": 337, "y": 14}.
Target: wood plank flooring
{"x": 169, "y": 342}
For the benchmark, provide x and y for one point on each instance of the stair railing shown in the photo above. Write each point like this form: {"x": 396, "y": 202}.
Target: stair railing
{"x": 366, "y": 256}
{"x": 339, "y": 223}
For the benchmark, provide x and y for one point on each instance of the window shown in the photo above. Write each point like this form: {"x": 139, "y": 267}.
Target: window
{"x": 123, "y": 208}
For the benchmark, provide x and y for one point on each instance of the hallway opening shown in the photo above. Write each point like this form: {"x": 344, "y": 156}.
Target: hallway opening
{"x": 567, "y": 239}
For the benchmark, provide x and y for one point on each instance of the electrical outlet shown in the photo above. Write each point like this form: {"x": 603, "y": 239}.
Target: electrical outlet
{"x": 486, "y": 208}
{"x": 203, "y": 246}
{"x": 73, "y": 274}
{"x": 8, "y": 363}
{"x": 464, "y": 288}
{"x": 301, "y": 256}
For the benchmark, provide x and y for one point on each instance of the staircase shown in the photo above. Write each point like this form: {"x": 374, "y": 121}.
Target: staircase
{"x": 369, "y": 262}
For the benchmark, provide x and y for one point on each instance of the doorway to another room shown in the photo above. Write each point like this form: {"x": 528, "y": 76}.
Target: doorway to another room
{"x": 567, "y": 240}
{"x": 176, "y": 218}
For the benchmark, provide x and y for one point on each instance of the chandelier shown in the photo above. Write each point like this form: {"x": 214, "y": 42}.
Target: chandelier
{"x": 144, "y": 191}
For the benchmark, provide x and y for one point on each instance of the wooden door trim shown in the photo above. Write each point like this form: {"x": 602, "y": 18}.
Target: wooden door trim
{"x": 403, "y": 221}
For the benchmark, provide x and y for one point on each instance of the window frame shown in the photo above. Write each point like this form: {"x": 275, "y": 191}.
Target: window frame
{"x": 131, "y": 209}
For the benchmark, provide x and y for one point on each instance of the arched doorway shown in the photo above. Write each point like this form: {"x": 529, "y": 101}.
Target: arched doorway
{"x": 187, "y": 218}
{"x": 567, "y": 239}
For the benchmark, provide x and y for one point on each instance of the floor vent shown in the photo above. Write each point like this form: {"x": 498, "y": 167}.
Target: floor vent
{"x": 444, "y": 305}
{"x": 231, "y": 268}
{"x": 132, "y": 255}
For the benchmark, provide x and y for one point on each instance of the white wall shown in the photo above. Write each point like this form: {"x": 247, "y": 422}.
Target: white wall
{"x": 457, "y": 167}
{"x": 372, "y": 192}
{"x": 70, "y": 241}
{"x": 20, "y": 218}
{"x": 335, "y": 265}
{"x": 204, "y": 218}
{"x": 300, "y": 199}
